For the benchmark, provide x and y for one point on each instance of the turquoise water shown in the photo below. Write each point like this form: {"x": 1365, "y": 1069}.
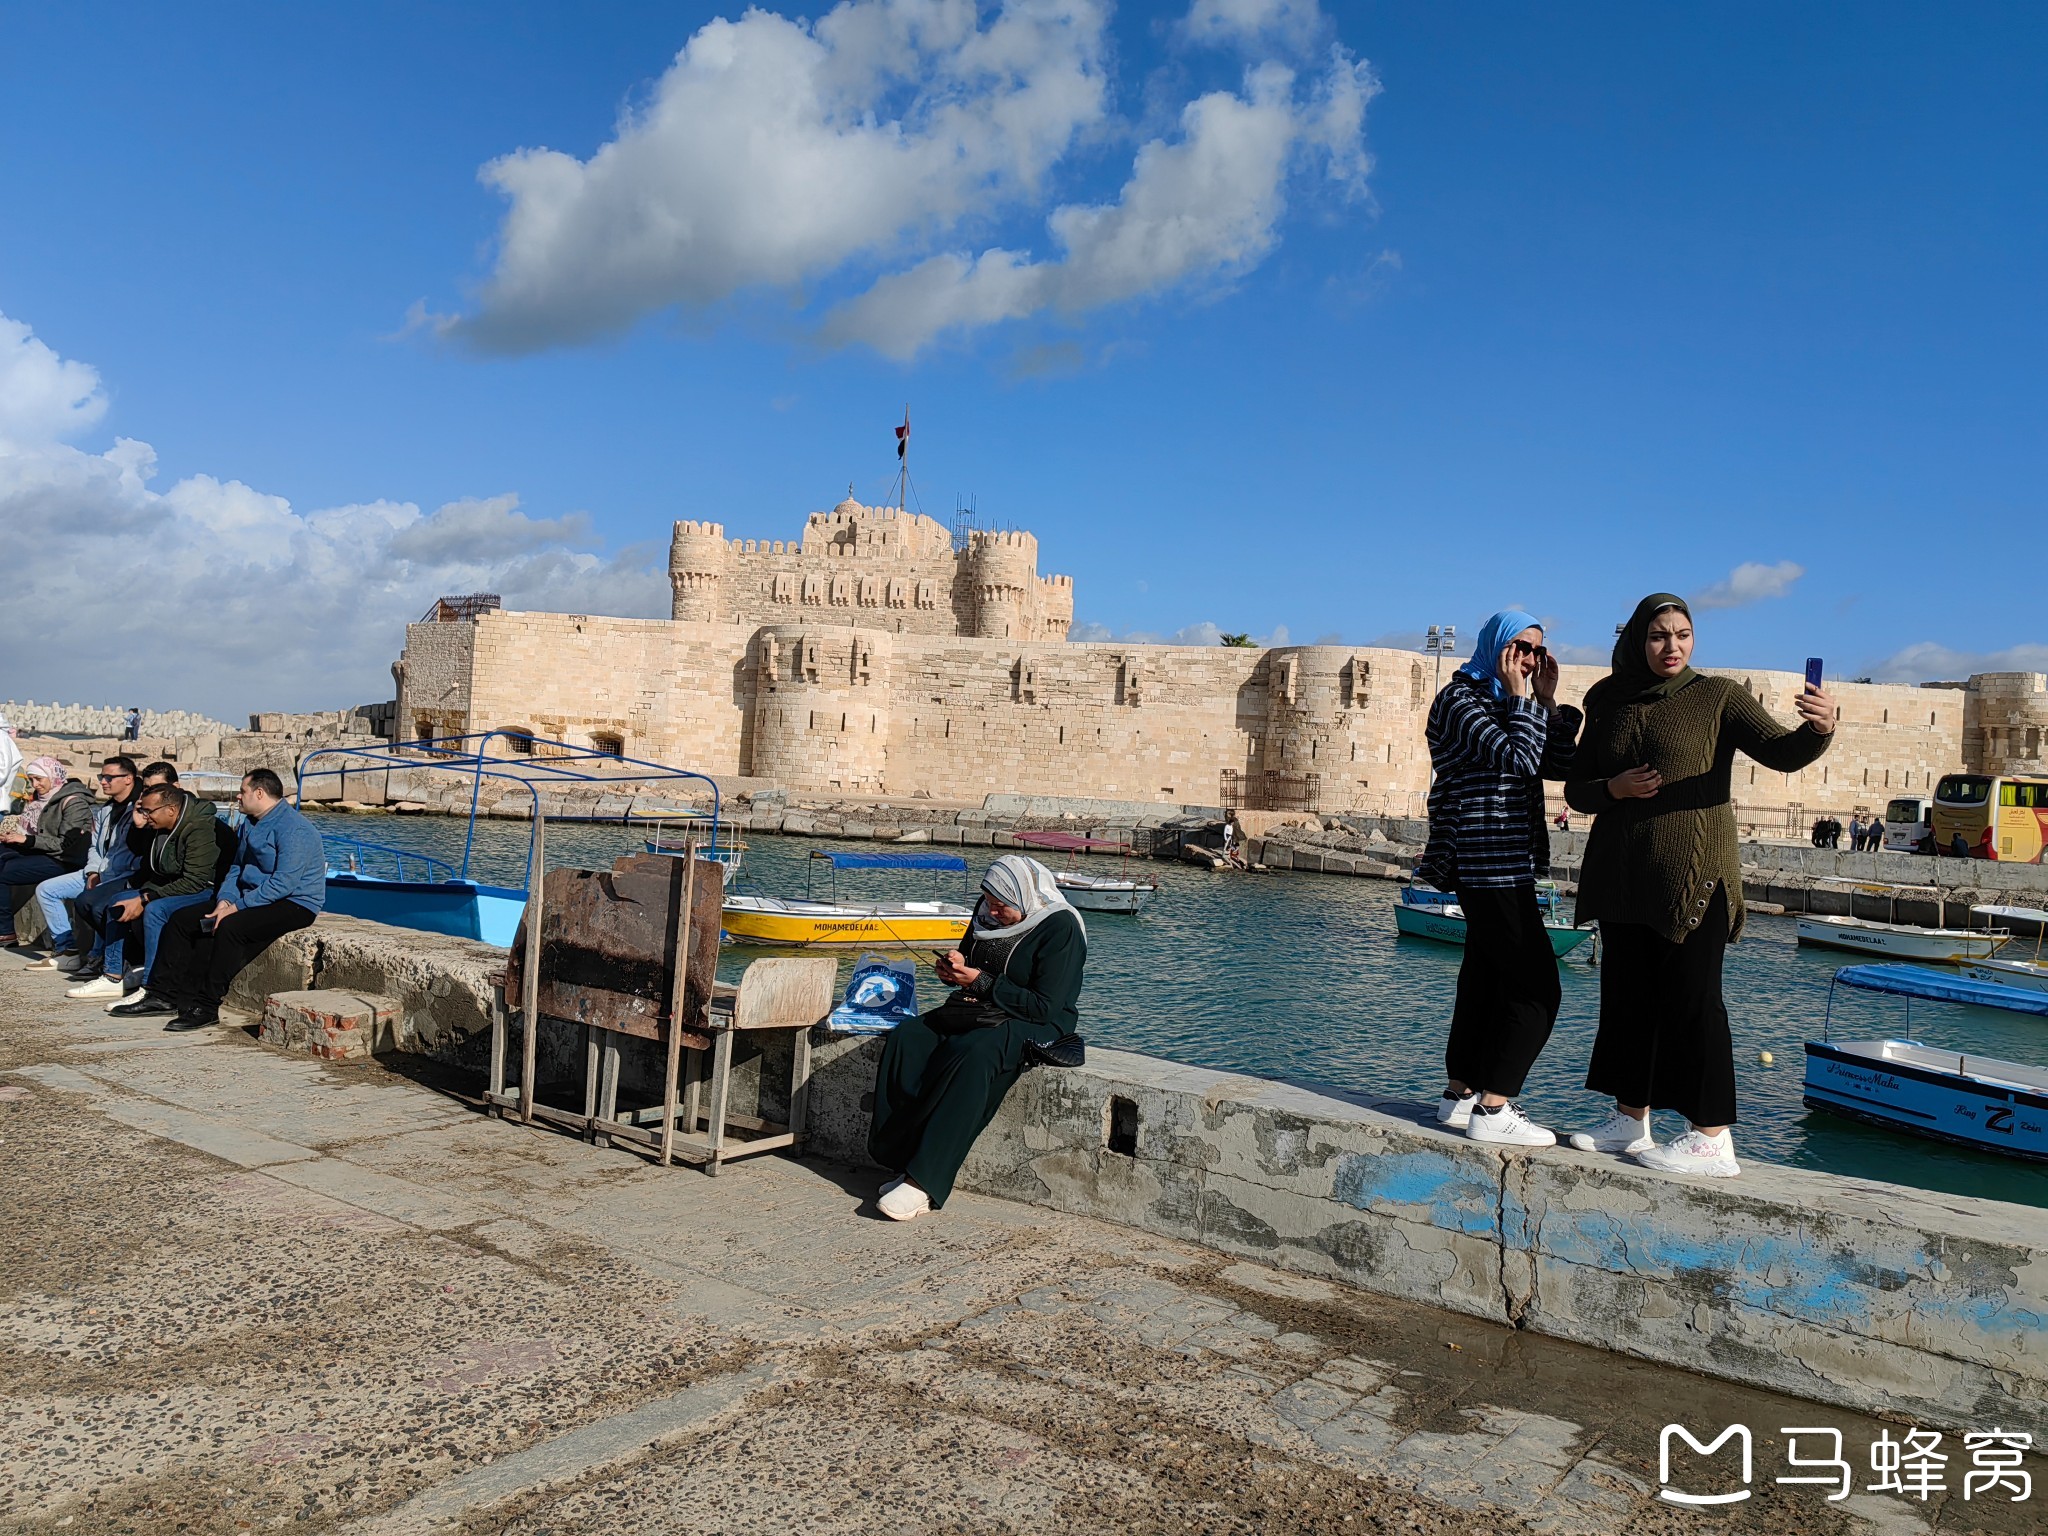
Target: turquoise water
{"x": 1303, "y": 977}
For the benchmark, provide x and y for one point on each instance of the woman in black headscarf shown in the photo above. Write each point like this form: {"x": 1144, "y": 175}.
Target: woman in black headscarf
{"x": 943, "y": 1075}
{"x": 1662, "y": 876}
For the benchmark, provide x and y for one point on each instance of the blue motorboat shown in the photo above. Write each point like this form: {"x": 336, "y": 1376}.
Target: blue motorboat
{"x": 1976, "y": 1101}
{"x": 430, "y": 895}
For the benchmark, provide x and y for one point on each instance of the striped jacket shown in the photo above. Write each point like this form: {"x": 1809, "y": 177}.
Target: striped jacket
{"x": 1486, "y": 802}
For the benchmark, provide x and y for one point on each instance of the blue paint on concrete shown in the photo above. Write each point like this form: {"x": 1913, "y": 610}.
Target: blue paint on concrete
{"x": 1453, "y": 1194}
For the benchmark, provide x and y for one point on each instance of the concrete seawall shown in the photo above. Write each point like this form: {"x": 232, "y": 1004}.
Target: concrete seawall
{"x": 1871, "y": 1296}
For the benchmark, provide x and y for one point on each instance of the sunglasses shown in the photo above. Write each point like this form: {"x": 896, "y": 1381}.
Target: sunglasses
{"x": 1524, "y": 648}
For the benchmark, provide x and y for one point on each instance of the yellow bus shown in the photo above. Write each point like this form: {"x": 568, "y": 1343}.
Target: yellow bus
{"x": 2015, "y": 808}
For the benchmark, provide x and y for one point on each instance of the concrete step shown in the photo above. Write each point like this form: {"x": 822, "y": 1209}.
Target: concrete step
{"x": 333, "y": 1025}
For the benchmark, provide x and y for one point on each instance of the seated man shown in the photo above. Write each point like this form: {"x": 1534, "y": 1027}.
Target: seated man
{"x": 95, "y": 935}
{"x": 108, "y": 849}
{"x": 183, "y": 867}
{"x": 277, "y": 883}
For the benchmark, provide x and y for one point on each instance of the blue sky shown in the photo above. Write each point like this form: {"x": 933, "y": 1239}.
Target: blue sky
{"x": 1310, "y": 322}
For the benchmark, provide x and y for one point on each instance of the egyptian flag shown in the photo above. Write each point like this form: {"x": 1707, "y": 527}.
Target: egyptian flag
{"x": 903, "y": 437}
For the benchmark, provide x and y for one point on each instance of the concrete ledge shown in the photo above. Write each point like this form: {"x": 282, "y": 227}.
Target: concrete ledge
{"x": 1871, "y": 1296}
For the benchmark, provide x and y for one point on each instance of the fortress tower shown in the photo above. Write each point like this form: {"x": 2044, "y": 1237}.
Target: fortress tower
{"x": 1002, "y": 569}
{"x": 1055, "y": 607}
{"x": 696, "y": 573}
{"x": 822, "y": 697}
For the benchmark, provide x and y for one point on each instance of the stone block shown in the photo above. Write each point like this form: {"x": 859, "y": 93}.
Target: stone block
{"x": 335, "y": 1026}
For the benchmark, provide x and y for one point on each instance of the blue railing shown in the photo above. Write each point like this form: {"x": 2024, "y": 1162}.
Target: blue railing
{"x": 381, "y": 861}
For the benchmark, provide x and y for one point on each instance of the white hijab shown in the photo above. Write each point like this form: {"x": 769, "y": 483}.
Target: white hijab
{"x": 1027, "y": 885}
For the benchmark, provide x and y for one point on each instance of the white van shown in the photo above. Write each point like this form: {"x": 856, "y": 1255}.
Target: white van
{"x": 1908, "y": 823}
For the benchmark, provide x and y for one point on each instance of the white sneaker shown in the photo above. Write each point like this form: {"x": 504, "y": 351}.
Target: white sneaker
{"x": 1507, "y": 1127}
{"x": 893, "y": 1183}
{"x": 1617, "y": 1133}
{"x": 47, "y": 963}
{"x": 1456, "y": 1113}
{"x": 1712, "y": 1156}
{"x": 98, "y": 989}
{"x": 906, "y": 1202}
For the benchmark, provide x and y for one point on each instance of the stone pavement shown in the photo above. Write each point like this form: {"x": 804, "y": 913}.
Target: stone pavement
{"x": 250, "y": 1291}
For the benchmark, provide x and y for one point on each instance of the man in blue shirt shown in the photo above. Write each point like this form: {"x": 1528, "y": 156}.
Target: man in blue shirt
{"x": 277, "y": 883}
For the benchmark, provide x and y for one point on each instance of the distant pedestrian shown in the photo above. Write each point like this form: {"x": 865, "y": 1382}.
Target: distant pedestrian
{"x": 1564, "y": 820}
{"x": 1496, "y": 732}
{"x": 1229, "y": 833}
{"x": 132, "y": 731}
{"x": 1820, "y": 831}
{"x": 1855, "y": 833}
{"x": 1664, "y": 880}
{"x": 1957, "y": 847}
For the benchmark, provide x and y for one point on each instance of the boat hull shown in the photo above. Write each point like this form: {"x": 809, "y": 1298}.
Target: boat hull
{"x": 812, "y": 925}
{"x": 460, "y": 908}
{"x": 1446, "y": 925}
{"x": 1945, "y": 946}
{"x": 1897, "y": 1084}
{"x": 1093, "y": 894}
{"x": 2027, "y": 975}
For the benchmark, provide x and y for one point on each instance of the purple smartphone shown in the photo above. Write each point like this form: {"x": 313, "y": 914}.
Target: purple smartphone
{"x": 1813, "y": 673}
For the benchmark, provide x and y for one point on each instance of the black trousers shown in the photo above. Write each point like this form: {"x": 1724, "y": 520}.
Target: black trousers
{"x": 195, "y": 969}
{"x": 936, "y": 1092}
{"x": 1508, "y": 990}
{"x": 1664, "y": 1038}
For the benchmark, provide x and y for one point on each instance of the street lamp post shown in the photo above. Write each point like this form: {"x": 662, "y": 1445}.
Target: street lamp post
{"x": 1441, "y": 641}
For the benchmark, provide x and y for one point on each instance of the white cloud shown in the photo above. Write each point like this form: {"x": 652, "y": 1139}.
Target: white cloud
{"x": 775, "y": 155}
{"x": 1202, "y": 207}
{"x": 1750, "y": 582}
{"x": 1200, "y": 633}
{"x": 1927, "y": 662}
{"x": 1294, "y": 22}
{"x": 215, "y": 596}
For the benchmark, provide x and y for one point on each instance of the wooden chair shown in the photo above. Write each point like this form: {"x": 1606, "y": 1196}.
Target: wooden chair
{"x": 789, "y": 994}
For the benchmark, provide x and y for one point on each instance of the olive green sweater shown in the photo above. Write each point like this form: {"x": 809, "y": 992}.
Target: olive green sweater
{"x": 1657, "y": 861}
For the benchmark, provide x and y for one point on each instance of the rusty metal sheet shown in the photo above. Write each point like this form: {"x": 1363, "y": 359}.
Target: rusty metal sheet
{"x": 607, "y": 954}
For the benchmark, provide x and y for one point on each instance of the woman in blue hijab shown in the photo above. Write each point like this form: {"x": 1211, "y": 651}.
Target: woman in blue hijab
{"x": 1496, "y": 732}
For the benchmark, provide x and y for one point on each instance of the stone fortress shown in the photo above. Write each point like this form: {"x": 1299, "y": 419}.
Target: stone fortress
{"x": 885, "y": 656}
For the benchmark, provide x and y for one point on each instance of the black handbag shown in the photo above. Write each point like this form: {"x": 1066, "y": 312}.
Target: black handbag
{"x": 1067, "y": 1051}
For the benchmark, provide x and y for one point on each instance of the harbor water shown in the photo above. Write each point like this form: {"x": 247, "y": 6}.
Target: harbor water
{"x": 1302, "y": 977}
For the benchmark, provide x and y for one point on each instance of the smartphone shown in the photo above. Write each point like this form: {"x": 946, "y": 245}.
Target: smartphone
{"x": 1813, "y": 673}
{"x": 206, "y": 924}
{"x": 939, "y": 956}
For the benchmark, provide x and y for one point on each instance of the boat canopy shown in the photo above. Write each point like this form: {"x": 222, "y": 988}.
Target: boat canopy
{"x": 536, "y": 764}
{"x": 842, "y": 860}
{"x": 1070, "y": 842}
{"x": 1925, "y": 981}
{"x": 2012, "y": 914}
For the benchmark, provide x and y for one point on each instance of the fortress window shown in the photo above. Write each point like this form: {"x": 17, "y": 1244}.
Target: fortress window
{"x": 518, "y": 739}
{"x": 1415, "y": 685}
{"x": 610, "y": 743}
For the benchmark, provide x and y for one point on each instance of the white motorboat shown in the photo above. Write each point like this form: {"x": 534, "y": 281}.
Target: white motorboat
{"x": 1120, "y": 892}
{"x": 2008, "y": 970}
{"x": 1901, "y": 941}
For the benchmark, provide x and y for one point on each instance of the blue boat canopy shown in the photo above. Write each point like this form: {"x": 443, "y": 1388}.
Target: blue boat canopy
{"x": 1924, "y": 981}
{"x": 840, "y": 860}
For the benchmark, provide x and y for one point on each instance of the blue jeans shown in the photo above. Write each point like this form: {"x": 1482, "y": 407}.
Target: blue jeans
{"x": 52, "y": 896}
{"x": 93, "y": 928}
{"x": 154, "y": 916}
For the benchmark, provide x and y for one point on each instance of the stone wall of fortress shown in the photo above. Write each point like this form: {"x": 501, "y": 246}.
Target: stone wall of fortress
{"x": 881, "y": 656}
{"x": 831, "y": 707}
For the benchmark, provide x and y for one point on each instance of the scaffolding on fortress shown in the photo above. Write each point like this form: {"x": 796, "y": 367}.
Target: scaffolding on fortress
{"x": 453, "y": 610}
{"x": 1266, "y": 790}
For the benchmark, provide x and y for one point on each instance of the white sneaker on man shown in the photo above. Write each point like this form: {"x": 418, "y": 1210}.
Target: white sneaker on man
{"x": 1507, "y": 1126}
{"x": 906, "y": 1202}
{"x": 99, "y": 989}
{"x": 1617, "y": 1133}
{"x": 1455, "y": 1112}
{"x": 1712, "y": 1156}
{"x": 52, "y": 963}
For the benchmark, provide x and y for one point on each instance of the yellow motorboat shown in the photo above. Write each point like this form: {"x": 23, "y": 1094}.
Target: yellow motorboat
{"x": 753, "y": 917}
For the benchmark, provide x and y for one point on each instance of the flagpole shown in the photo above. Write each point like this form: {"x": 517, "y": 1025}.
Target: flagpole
{"x": 903, "y": 485}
